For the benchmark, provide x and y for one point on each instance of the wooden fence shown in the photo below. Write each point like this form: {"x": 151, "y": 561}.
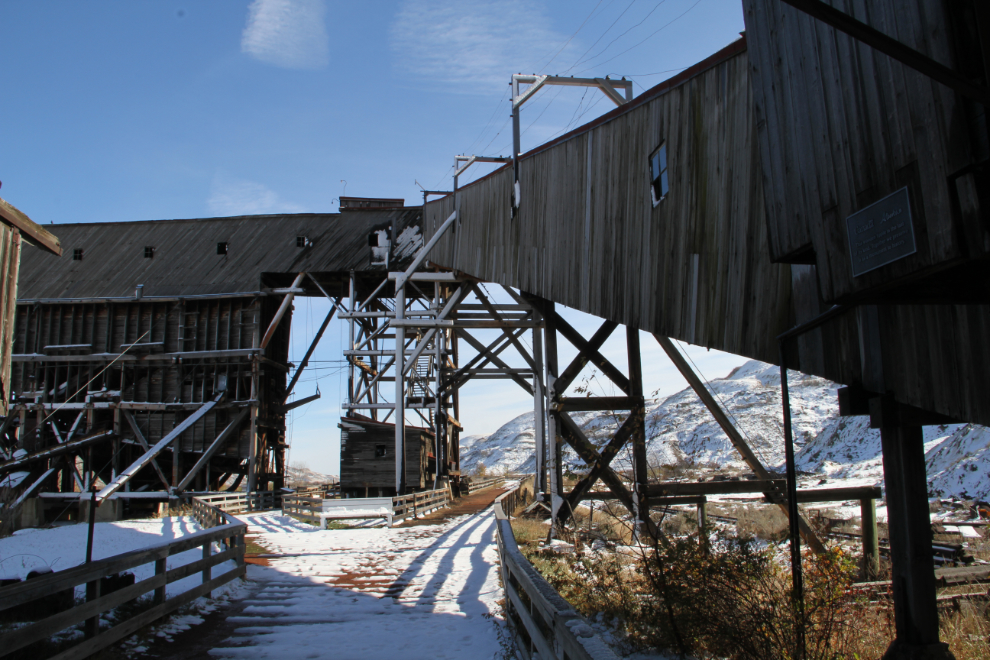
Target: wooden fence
{"x": 242, "y": 502}
{"x": 545, "y": 623}
{"x": 474, "y": 485}
{"x": 302, "y": 506}
{"x": 222, "y": 529}
{"x": 413, "y": 504}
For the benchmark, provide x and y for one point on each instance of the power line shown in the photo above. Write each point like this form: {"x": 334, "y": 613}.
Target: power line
{"x": 602, "y": 51}
{"x": 601, "y": 37}
{"x": 580, "y": 27}
{"x": 653, "y": 34}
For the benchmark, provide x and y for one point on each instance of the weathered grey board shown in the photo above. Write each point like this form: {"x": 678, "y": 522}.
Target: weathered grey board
{"x": 841, "y": 126}
{"x": 713, "y": 222}
{"x": 360, "y": 468}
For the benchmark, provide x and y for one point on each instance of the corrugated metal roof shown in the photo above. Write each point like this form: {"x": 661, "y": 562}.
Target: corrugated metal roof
{"x": 186, "y": 262}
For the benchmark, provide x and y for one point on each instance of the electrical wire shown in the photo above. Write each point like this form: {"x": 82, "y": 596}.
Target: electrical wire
{"x": 652, "y": 34}
{"x": 601, "y": 37}
{"x": 580, "y": 27}
{"x": 603, "y": 50}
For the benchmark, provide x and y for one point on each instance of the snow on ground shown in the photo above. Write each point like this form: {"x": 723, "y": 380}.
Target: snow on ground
{"x": 371, "y": 593}
{"x": 64, "y": 546}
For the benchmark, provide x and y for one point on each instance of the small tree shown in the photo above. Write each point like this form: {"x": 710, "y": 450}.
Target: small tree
{"x": 480, "y": 469}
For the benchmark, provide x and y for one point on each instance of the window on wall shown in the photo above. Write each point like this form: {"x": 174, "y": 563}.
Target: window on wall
{"x": 77, "y": 254}
{"x": 222, "y": 248}
{"x": 380, "y": 451}
{"x": 658, "y": 173}
{"x": 149, "y": 252}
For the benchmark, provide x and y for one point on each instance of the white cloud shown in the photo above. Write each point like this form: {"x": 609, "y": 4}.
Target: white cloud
{"x": 287, "y": 33}
{"x": 231, "y": 196}
{"x": 475, "y": 43}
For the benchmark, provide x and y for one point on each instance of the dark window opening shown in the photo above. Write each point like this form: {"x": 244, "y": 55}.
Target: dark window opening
{"x": 658, "y": 174}
{"x": 222, "y": 248}
{"x": 149, "y": 252}
{"x": 302, "y": 241}
{"x": 77, "y": 254}
{"x": 380, "y": 451}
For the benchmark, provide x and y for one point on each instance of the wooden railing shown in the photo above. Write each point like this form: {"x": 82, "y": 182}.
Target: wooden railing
{"x": 476, "y": 484}
{"x": 236, "y": 503}
{"x": 222, "y": 529}
{"x": 323, "y": 491}
{"x": 301, "y": 506}
{"x": 545, "y": 623}
{"x": 413, "y": 504}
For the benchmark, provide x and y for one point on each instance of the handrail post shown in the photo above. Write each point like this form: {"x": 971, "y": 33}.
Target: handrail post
{"x": 92, "y": 593}
{"x": 160, "y": 567}
{"x": 207, "y": 572}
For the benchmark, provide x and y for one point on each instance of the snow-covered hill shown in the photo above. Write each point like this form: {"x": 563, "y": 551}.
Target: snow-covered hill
{"x": 299, "y": 475}
{"x": 680, "y": 431}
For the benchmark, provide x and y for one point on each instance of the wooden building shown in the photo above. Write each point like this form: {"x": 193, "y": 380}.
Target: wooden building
{"x": 367, "y": 458}
{"x": 149, "y": 330}
{"x": 15, "y": 229}
{"x": 814, "y": 192}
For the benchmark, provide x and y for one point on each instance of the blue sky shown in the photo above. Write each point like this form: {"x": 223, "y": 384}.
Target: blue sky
{"x": 150, "y": 109}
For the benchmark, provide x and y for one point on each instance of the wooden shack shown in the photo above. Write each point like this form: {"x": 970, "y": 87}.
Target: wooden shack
{"x": 367, "y": 459}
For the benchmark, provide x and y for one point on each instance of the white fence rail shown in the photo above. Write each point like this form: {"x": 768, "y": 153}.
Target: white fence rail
{"x": 545, "y": 623}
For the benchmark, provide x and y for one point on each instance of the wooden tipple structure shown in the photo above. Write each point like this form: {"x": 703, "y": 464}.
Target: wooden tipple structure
{"x": 814, "y": 195}
{"x": 153, "y": 357}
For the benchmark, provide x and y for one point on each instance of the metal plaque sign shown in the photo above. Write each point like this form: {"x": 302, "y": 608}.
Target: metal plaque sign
{"x": 881, "y": 233}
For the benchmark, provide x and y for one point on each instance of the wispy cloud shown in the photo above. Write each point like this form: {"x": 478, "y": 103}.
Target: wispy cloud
{"x": 475, "y": 44}
{"x": 232, "y": 196}
{"x": 287, "y": 33}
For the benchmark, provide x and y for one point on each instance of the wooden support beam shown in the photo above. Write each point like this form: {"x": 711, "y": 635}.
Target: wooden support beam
{"x": 593, "y": 355}
{"x": 52, "y": 452}
{"x": 575, "y": 437}
{"x": 893, "y": 48}
{"x": 296, "y": 404}
{"x": 498, "y": 318}
{"x": 132, "y": 422}
{"x": 603, "y": 461}
{"x": 309, "y": 351}
{"x": 286, "y": 302}
{"x": 583, "y": 403}
{"x": 492, "y": 357}
{"x": 217, "y": 444}
{"x": 150, "y": 454}
{"x": 582, "y": 358}
{"x": 735, "y": 437}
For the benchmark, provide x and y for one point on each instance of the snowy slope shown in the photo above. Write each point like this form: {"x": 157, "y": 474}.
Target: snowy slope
{"x": 680, "y": 431}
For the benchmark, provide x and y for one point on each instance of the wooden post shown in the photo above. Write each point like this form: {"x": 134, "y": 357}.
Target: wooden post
{"x": 160, "y": 568}
{"x": 207, "y": 571}
{"x": 555, "y": 453}
{"x": 871, "y": 543}
{"x": 703, "y": 523}
{"x": 915, "y": 610}
{"x": 638, "y": 434}
{"x": 400, "y": 391}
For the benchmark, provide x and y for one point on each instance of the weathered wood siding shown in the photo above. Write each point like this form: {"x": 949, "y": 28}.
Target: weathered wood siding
{"x": 587, "y": 236}
{"x": 619, "y": 257}
{"x": 841, "y": 126}
{"x": 10, "y": 258}
{"x": 360, "y": 468}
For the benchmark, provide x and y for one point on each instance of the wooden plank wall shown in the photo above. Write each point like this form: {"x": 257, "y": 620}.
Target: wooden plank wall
{"x": 621, "y": 259}
{"x": 841, "y": 126}
{"x": 10, "y": 258}
{"x": 100, "y": 331}
{"x": 641, "y": 269}
{"x": 360, "y": 468}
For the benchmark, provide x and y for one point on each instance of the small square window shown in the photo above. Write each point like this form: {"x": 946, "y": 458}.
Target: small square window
{"x": 303, "y": 242}
{"x": 149, "y": 252}
{"x": 658, "y": 174}
{"x": 222, "y": 248}
{"x": 77, "y": 254}
{"x": 381, "y": 451}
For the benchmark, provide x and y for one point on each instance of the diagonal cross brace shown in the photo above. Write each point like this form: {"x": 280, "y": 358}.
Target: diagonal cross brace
{"x": 149, "y": 455}
{"x": 220, "y": 441}
{"x": 591, "y": 353}
{"x": 575, "y": 437}
{"x": 631, "y": 424}
{"x": 491, "y": 357}
{"x": 129, "y": 416}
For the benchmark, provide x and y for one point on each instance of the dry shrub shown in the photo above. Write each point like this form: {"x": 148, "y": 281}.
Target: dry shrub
{"x": 764, "y": 522}
{"x": 680, "y": 524}
{"x": 528, "y": 531}
{"x": 735, "y": 602}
